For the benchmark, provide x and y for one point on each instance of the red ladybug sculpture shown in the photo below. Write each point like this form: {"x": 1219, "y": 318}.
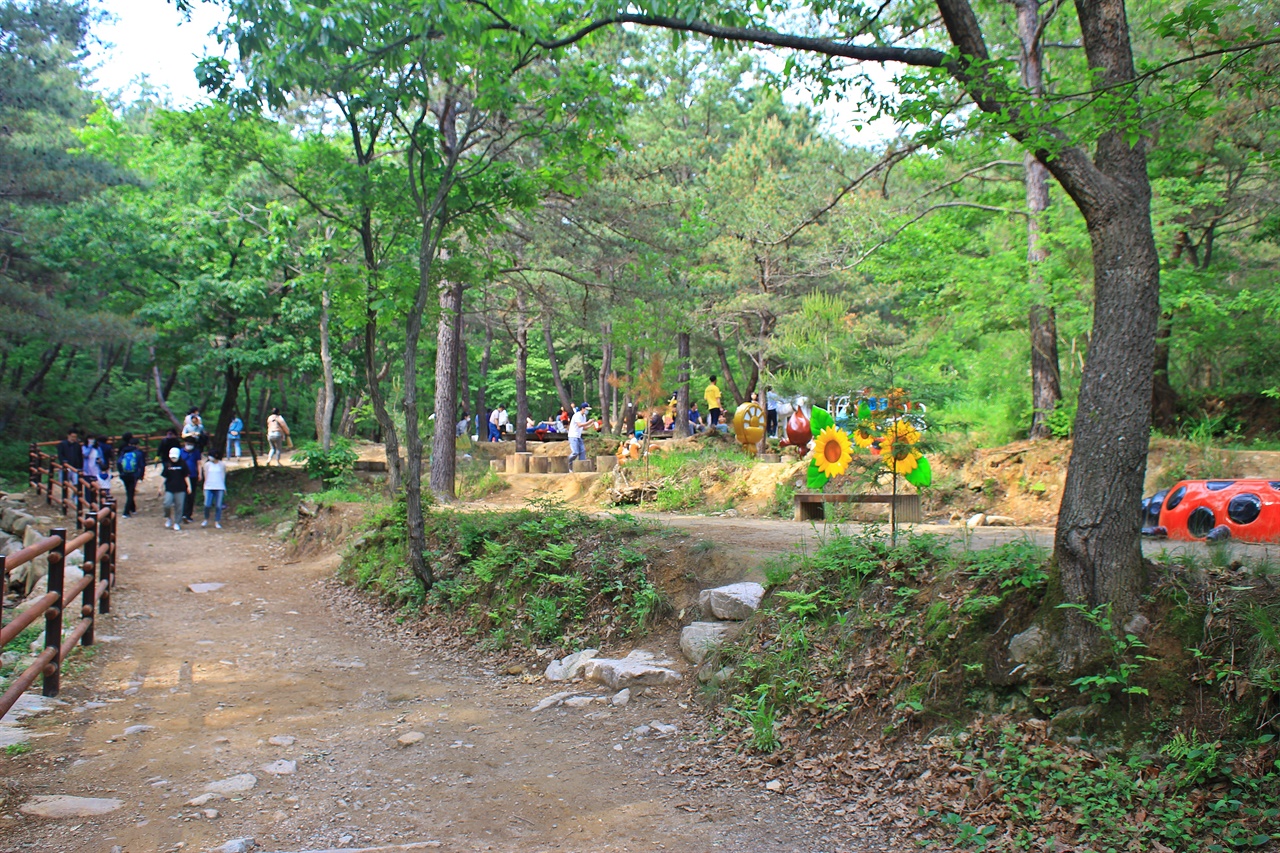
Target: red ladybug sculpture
{"x": 1214, "y": 510}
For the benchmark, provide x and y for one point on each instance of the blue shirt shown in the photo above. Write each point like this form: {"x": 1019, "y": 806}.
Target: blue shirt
{"x": 233, "y": 431}
{"x": 191, "y": 458}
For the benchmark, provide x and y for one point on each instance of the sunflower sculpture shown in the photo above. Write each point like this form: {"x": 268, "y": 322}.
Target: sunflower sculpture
{"x": 832, "y": 451}
{"x": 898, "y": 450}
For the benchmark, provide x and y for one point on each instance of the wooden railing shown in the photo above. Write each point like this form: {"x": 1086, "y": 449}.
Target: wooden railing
{"x": 95, "y": 514}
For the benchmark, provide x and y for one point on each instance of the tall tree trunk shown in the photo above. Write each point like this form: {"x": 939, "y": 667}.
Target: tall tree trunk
{"x": 232, "y": 390}
{"x": 1046, "y": 386}
{"x": 522, "y": 372}
{"x": 248, "y": 412}
{"x": 347, "y": 422}
{"x": 680, "y": 429}
{"x": 46, "y": 362}
{"x": 606, "y": 372}
{"x": 566, "y": 399}
{"x": 324, "y": 424}
{"x": 160, "y": 391}
{"x": 1097, "y": 546}
{"x": 726, "y": 372}
{"x": 444, "y": 462}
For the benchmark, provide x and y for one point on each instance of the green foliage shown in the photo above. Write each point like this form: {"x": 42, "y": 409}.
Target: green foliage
{"x": 332, "y": 467}
{"x": 1203, "y": 798}
{"x": 1124, "y": 658}
{"x": 546, "y": 575}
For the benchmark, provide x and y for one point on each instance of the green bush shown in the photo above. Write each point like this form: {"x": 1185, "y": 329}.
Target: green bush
{"x": 332, "y": 467}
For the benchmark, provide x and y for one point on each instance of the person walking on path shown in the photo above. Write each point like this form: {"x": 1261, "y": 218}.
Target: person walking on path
{"x": 277, "y": 432}
{"x": 132, "y": 467}
{"x": 771, "y": 411}
{"x": 175, "y": 478}
{"x": 712, "y": 396}
{"x": 233, "y": 434}
{"x": 97, "y": 469}
{"x": 70, "y": 454}
{"x": 169, "y": 442}
{"x": 493, "y": 425}
{"x": 190, "y": 456}
{"x": 215, "y": 488}
{"x": 578, "y": 423}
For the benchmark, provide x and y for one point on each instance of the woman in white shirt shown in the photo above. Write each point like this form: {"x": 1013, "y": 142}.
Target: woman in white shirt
{"x": 215, "y": 488}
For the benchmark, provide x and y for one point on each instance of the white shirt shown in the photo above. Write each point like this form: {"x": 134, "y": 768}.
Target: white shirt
{"x": 215, "y": 476}
{"x": 578, "y": 423}
{"x": 503, "y": 420}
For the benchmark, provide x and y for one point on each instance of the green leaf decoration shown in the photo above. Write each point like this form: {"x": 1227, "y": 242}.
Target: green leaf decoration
{"x": 864, "y": 411}
{"x": 820, "y": 419}
{"x": 922, "y": 476}
{"x": 816, "y": 480}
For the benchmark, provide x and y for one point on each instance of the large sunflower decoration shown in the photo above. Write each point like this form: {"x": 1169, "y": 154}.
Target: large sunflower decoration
{"x": 901, "y": 456}
{"x": 832, "y": 451}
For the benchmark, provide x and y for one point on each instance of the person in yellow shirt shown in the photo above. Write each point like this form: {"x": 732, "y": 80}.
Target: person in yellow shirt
{"x": 712, "y": 395}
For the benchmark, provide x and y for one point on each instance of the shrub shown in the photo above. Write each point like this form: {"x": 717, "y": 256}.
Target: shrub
{"x": 332, "y": 467}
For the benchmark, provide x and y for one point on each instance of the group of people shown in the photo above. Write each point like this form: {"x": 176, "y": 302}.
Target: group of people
{"x": 664, "y": 419}
{"x": 183, "y": 463}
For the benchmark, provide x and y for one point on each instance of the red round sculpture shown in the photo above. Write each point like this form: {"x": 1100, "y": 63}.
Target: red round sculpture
{"x": 1215, "y": 510}
{"x": 799, "y": 433}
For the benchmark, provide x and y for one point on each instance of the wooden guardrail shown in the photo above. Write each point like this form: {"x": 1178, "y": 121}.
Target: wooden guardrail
{"x": 95, "y": 514}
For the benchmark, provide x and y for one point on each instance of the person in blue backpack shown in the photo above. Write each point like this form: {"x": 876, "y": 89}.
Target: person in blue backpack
{"x": 131, "y": 463}
{"x": 233, "y": 434}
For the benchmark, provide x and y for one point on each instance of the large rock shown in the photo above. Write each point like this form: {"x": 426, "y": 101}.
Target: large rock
{"x": 638, "y": 669}
{"x": 699, "y": 639}
{"x": 59, "y": 806}
{"x": 233, "y": 785}
{"x": 735, "y": 602}
{"x": 570, "y": 667}
{"x": 1031, "y": 649}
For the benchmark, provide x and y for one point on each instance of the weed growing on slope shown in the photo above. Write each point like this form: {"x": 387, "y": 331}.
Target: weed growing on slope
{"x": 534, "y": 577}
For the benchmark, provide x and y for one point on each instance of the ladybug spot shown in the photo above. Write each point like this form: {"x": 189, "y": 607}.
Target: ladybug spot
{"x": 1200, "y": 522}
{"x": 1244, "y": 508}
{"x": 1176, "y": 498}
{"x": 1217, "y": 485}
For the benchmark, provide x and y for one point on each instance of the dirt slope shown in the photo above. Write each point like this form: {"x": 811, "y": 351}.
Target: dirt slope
{"x": 281, "y": 651}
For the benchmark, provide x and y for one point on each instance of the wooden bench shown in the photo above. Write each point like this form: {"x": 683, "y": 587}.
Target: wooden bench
{"x": 904, "y": 509}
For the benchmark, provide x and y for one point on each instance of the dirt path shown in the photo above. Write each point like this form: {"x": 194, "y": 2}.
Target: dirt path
{"x": 279, "y": 652}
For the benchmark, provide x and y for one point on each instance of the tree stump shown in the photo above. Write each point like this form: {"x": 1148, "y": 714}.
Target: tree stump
{"x": 538, "y": 464}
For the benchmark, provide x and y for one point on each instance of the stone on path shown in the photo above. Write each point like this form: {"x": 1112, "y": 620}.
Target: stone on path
{"x": 699, "y": 639}
{"x": 570, "y": 667}
{"x": 233, "y": 784}
{"x": 203, "y": 799}
{"x": 1001, "y": 521}
{"x": 621, "y": 698}
{"x": 58, "y": 806}
{"x": 394, "y": 848}
{"x": 976, "y": 521}
{"x": 137, "y": 730}
{"x": 283, "y": 767}
{"x": 205, "y": 587}
{"x": 735, "y": 602}
{"x": 281, "y": 740}
{"x": 410, "y": 738}
{"x": 638, "y": 669}
{"x": 238, "y": 845}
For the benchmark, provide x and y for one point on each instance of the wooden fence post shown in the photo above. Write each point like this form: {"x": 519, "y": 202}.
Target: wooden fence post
{"x": 33, "y": 467}
{"x": 107, "y": 569}
{"x": 53, "y": 615}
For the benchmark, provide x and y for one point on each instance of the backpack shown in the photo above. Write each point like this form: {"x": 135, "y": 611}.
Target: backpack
{"x": 130, "y": 460}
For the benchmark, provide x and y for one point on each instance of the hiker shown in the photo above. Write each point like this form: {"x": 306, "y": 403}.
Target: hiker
{"x": 132, "y": 467}
{"x": 215, "y": 488}
{"x": 190, "y": 456}
{"x": 493, "y": 425}
{"x": 70, "y": 454}
{"x": 169, "y": 442}
{"x": 564, "y": 417}
{"x": 577, "y": 446}
{"x": 233, "y": 434}
{"x": 712, "y": 395}
{"x": 173, "y": 487}
{"x": 277, "y": 432}
{"x": 771, "y": 411}
{"x": 695, "y": 417}
{"x": 655, "y": 422}
{"x": 96, "y": 468}
{"x": 193, "y": 428}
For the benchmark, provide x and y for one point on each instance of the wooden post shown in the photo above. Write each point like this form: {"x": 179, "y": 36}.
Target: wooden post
{"x": 33, "y": 467}
{"x": 107, "y": 569}
{"x": 53, "y": 615}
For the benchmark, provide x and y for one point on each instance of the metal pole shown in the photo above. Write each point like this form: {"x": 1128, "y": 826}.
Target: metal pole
{"x": 53, "y": 615}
